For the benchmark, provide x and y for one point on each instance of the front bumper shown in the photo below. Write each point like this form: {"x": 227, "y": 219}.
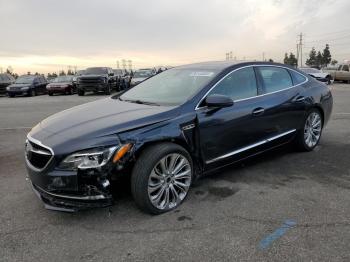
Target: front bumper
{"x": 19, "y": 92}
{"x": 57, "y": 89}
{"x": 93, "y": 87}
{"x": 70, "y": 202}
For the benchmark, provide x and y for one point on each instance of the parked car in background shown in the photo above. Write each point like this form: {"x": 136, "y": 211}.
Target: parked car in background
{"x": 62, "y": 85}
{"x": 171, "y": 129}
{"x": 319, "y": 75}
{"x": 341, "y": 74}
{"x": 141, "y": 75}
{"x": 5, "y": 81}
{"x": 75, "y": 77}
{"x": 121, "y": 78}
{"x": 29, "y": 85}
{"x": 96, "y": 79}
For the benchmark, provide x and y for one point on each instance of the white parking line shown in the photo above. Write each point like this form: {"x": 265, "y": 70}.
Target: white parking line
{"x": 15, "y": 128}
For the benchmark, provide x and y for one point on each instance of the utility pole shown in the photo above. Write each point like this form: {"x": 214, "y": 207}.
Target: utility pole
{"x": 301, "y": 48}
{"x": 297, "y": 54}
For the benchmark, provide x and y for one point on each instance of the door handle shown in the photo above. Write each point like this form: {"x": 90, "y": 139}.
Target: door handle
{"x": 258, "y": 111}
{"x": 299, "y": 99}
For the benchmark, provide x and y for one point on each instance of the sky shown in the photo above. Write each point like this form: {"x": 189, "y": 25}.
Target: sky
{"x": 46, "y": 35}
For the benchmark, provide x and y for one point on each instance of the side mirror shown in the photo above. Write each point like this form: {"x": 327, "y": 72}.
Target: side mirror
{"x": 218, "y": 101}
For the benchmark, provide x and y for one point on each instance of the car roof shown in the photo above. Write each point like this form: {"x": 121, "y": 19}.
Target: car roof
{"x": 222, "y": 65}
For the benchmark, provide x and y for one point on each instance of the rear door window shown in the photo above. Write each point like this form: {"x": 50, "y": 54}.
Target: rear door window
{"x": 275, "y": 78}
{"x": 346, "y": 68}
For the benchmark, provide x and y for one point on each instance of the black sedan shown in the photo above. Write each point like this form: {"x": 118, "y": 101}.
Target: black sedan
{"x": 171, "y": 129}
{"x": 29, "y": 85}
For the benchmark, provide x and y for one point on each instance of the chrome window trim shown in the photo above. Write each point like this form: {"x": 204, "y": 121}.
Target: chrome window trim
{"x": 35, "y": 141}
{"x": 248, "y": 98}
{"x": 240, "y": 150}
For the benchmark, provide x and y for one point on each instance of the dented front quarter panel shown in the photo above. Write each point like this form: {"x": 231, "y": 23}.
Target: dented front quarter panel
{"x": 181, "y": 130}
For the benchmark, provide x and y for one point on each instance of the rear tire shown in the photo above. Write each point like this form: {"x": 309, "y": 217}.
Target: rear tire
{"x": 50, "y": 93}
{"x": 161, "y": 178}
{"x": 12, "y": 95}
{"x": 309, "y": 136}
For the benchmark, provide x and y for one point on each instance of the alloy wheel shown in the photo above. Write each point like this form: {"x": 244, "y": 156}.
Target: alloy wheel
{"x": 312, "y": 129}
{"x": 169, "y": 181}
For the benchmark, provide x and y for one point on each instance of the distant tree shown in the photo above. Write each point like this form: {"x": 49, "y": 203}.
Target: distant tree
{"x": 36, "y": 73}
{"x": 290, "y": 60}
{"x": 311, "y": 61}
{"x": 70, "y": 72}
{"x": 54, "y": 74}
{"x": 334, "y": 62}
{"x": 326, "y": 56}
{"x": 270, "y": 60}
{"x": 62, "y": 73}
{"x": 319, "y": 60}
{"x": 28, "y": 73}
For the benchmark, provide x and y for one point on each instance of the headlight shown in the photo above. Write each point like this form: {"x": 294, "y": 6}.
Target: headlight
{"x": 93, "y": 158}
{"x": 25, "y": 88}
{"x": 8, "y": 88}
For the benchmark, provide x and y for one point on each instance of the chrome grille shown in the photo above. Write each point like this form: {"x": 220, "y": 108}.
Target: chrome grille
{"x": 37, "y": 155}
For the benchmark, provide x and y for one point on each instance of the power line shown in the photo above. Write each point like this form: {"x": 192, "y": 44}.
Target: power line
{"x": 326, "y": 39}
{"x": 331, "y": 33}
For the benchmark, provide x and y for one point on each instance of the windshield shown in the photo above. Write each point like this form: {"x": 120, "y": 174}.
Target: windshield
{"x": 143, "y": 73}
{"x": 310, "y": 70}
{"x": 96, "y": 71}
{"x": 172, "y": 87}
{"x": 25, "y": 79}
{"x": 62, "y": 79}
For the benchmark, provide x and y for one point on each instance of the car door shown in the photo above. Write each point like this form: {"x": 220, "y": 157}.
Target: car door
{"x": 283, "y": 101}
{"x": 228, "y": 134}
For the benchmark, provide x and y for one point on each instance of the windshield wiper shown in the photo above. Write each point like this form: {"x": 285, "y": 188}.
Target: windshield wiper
{"x": 137, "y": 101}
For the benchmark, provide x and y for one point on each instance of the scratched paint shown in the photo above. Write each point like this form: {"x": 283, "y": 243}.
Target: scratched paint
{"x": 279, "y": 232}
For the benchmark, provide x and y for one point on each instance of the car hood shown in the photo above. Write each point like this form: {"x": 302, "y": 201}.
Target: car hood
{"x": 322, "y": 75}
{"x": 18, "y": 85}
{"x": 60, "y": 84}
{"x": 96, "y": 122}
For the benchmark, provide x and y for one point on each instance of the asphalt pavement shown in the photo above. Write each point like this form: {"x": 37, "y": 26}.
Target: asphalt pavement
{"x": 280, "y": 206}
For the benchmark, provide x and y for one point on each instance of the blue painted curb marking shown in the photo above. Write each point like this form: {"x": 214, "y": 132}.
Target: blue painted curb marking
{"x": 267, "y": 241}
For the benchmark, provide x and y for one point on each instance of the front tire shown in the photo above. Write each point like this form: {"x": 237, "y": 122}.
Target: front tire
{"x": 108, "y": 89}
{"x": 81, "y": 92}
{"x": 32, "y": 92}
{"x": 161, "y": 178}
{"x": 309, "y": 137}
